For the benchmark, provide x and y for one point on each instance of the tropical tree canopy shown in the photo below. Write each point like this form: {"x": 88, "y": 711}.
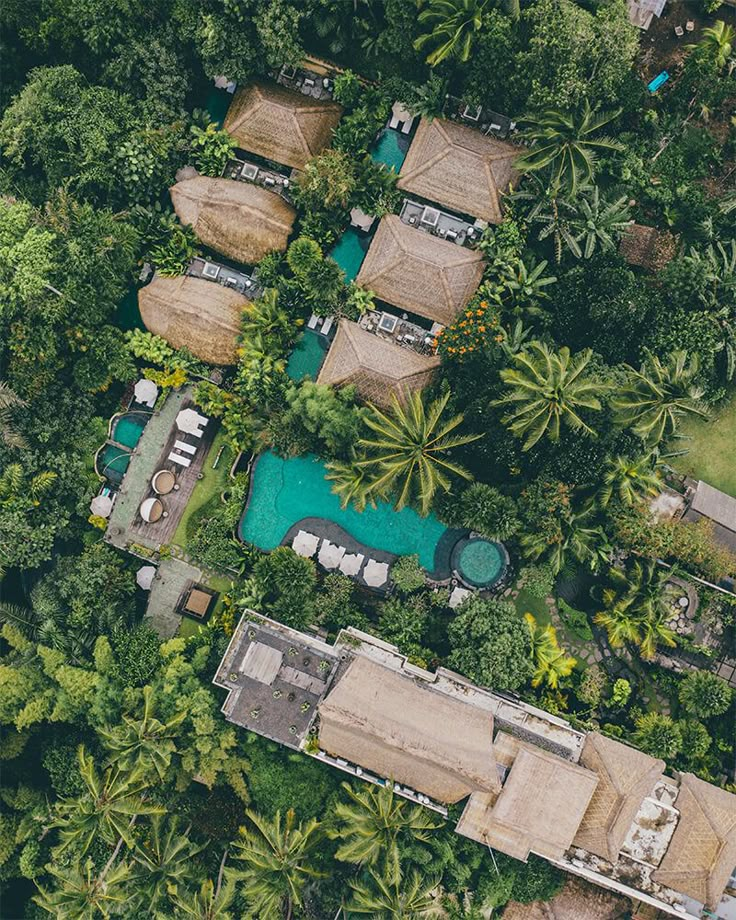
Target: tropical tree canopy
{"x": 453, "y": 24}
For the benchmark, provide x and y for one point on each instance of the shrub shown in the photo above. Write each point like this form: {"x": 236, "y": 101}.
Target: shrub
{"x": 592, "y": 686}
{"x": 575, "y": 620}
{"x": 538, "y": 580}
{"x": 704, "y": 694}
{"x": 407, "y": 574}
{"x": 658, "y": 735}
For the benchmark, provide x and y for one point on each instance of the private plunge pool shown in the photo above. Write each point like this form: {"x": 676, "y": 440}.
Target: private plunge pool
{"x": 284, "y": 492}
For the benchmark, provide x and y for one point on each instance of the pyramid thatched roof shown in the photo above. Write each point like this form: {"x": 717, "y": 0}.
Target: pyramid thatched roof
{"x": 648, "y": 247}
{"x": 194, "y": 313}
{"x": 377, "y": 368}
{"x": 539, "y": 808}
{"x": 702, "y": 853}
{"x": 240, "y": 220}
{"x": 402, "y": 728}
{"x": 626, "y": 777}
{"x": 279, "y": 124}
{"x": 460, "y": 168}
{"x": 419, "y": 272}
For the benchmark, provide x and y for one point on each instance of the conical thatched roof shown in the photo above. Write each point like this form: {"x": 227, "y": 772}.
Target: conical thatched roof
{"x": 419, "y": 272}
{"x": 702, "y": 852}
{"x": 401, "y": 728}
{"x": 626, "y": 777}
{"x": 194, "y": 313}
{"x": 460, "y": 168}
{"x": 240, "y": 220}
{"x": 279, "y": 124}
{"x": 377, "y": 368}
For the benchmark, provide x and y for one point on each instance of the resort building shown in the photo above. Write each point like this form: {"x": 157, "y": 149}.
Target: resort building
{"x": 194, "y": 313}
{"x": 420, "y": 273}
{"x": 241, "y": 220}
{"x": 376, "y": 367}
{"x": 531, "y": 782}
{"x": 279, "y": 124}
{"x": 460, "y": 168}
{"x": 704, "y": 501}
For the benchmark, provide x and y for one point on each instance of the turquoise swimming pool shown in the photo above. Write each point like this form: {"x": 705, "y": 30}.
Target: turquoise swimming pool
{"x": 128, "y": 429}
{"x": 391, "y": 148}
{"x": 112, "y": 462}
{"x": 349, "y": 252}
{"x": 307, "y": 357}
{"x": 285, "y": 491}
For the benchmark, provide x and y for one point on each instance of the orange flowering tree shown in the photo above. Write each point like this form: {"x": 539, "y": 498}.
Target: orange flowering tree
{"x": 476, "y": 329}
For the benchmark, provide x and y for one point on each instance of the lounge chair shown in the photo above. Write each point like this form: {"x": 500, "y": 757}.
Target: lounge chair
{"x": 185, "y": 448}
{"x": 313, "y": 320}
{"x": 177, "y": 458}
{"x": 394, "y": 123}
{"x": 327, "y": 325}
{"x": 196, "y": 432}
{"x": 406, "y": 126}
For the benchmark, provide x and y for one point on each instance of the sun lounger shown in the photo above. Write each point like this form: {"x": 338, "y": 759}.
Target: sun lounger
{"x": 394, "y": 123}
{"x": 406, "y": 127}
{"x": 185, "y": 448}
{"x": 177, "y": 458}
{"x": 196, "y": 432}
{"x": 327, "y": 325}
{"x": 313, "y": 320}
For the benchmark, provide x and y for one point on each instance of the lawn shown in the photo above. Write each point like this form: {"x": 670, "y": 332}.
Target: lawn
{"x": 527, "y": 603}
{"x": 710, "y": 453}
{"x": 213, "y": 483}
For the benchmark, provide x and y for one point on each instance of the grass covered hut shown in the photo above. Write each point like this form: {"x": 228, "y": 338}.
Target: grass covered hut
{"x": 194, "y": 313}
{"x": 242, "y": 221}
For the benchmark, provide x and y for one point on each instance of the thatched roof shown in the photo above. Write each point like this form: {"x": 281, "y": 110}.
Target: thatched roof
{"x": 539, "y": 809}
{"x": 460, "y": 168}
{"x": 194, "y": 313}
{"x": 702, "y": 852}
{"x": 377, "y": 368}
{"x": 648, "y": 247}
{"x": 419, "y": 272}
{"x": 279, "y": 124}
{"x": 626, "y": 776}
{"x": 240, "y": 220}
{"x": 402, "y": 728}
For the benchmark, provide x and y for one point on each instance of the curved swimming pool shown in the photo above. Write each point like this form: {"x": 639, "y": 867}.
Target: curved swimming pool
{"x": 286, "y": 491}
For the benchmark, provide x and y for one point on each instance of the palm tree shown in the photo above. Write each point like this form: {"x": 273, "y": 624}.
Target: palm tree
{"x": 716, "y": 43}
{"x": 144, "y": 743}
{"x": 577, "y": 536}
{"x": 9, "y": 402}
{"x": 107, "y": 808}
{"x": 564, "y": 142}
{"x": 382, "y": 899}
{"x": 550, "y": 661}
{"x": 266, "y": 318}
{"x": 657, "y": 395}
{"x": 161, "y": 861}
{"x": 635, "y": 608}
{"x": 630, "y": 480}
{"x": 548, "y": 389}
{"x": 83, "y": 893}
{"x": 16, "y": 487}
{"x": 351, "y": 483}
{"x": 598, "y": 223}
{"x": 453, "y": 26}
{"x": 407, "y": 454}
{"x": 210, "y": 902}
{"x": 525, "y": 286}
{"x": 279, "y": 862}
{"x": 372, "y": 823}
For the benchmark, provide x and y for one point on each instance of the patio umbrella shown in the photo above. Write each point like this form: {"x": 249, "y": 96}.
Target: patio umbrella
{"x": 458, "y": 596}
{"x": 146, "y": 392}
{"x": 305, "y": 543}
{"x": 144, "y": 576}
{"x": 375, "y": 573}
{"x": 151, "y": 510}
{"x": 190, "y": 421}
{"x": 101, "y": 505}
{"x": 330, "y": 555}
{"x": 351, "y": 563}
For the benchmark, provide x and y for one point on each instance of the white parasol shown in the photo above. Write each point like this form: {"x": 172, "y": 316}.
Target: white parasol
{"x": 375, "y": 573}
{"x": 305, "y": 544}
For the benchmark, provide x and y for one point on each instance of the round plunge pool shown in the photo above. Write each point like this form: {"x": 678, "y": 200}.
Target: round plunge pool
{"x": 478, "y": 562}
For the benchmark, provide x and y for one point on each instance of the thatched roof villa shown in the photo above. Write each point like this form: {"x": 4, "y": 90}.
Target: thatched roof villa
{"x": 460, "y": 168}
{"x": 376, "y": 367}
{"x": 419, "y": 272}
{"x": 647, "y": 247}
{"x": 279, "y": 124}
{"x": 194, "y": 313}
{"x": 242, "y": 221}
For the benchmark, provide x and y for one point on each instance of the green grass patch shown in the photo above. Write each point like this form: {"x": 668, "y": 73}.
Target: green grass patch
{"x": 527, "y": 603}
{"x": 207, "y": 490}
{"x": 188, "y": 627}
{"x": 710, "y": 452}
{"x": 576, "y": 622}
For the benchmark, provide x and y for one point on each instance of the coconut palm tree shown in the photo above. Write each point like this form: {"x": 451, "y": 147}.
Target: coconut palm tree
{"x": 565, "y": 143}
{"x": 657, "y": 395}
{"x": 84, "y": 893}
{"x": 16, "y": 487}
{"x": 407, "y": 455}
{"x": 371, "y": 824}
{"x": 266, "y": 318}
{"x": 635, "y": 608}
{"x": 716, "y": 43}
{"x": 548, "y": 389}
{"x": 108, "y": 807}
{"x": 144, "y": 743}
{"x": 523, "y": 286}
{"x": 578, "y": 536}
{"x": 279, "y": 861}
{"x": 550, "y": 661}
{"x": 9, "y": 402}
{"x": 630, "y": 480}
{"x": 381, "y": 899}
{"x": 453, "y": 24}
{"x": 162, "y": 860}
{"x": 210, "y": 902}
{"x": 351, "y": 483}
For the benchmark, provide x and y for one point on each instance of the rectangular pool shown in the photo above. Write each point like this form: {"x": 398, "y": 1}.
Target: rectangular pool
{"x": 284, "y": 492}
{"x": 308, "y": 355}
{"x": 391, "y": 148}
{"x": 349, "y": 252}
